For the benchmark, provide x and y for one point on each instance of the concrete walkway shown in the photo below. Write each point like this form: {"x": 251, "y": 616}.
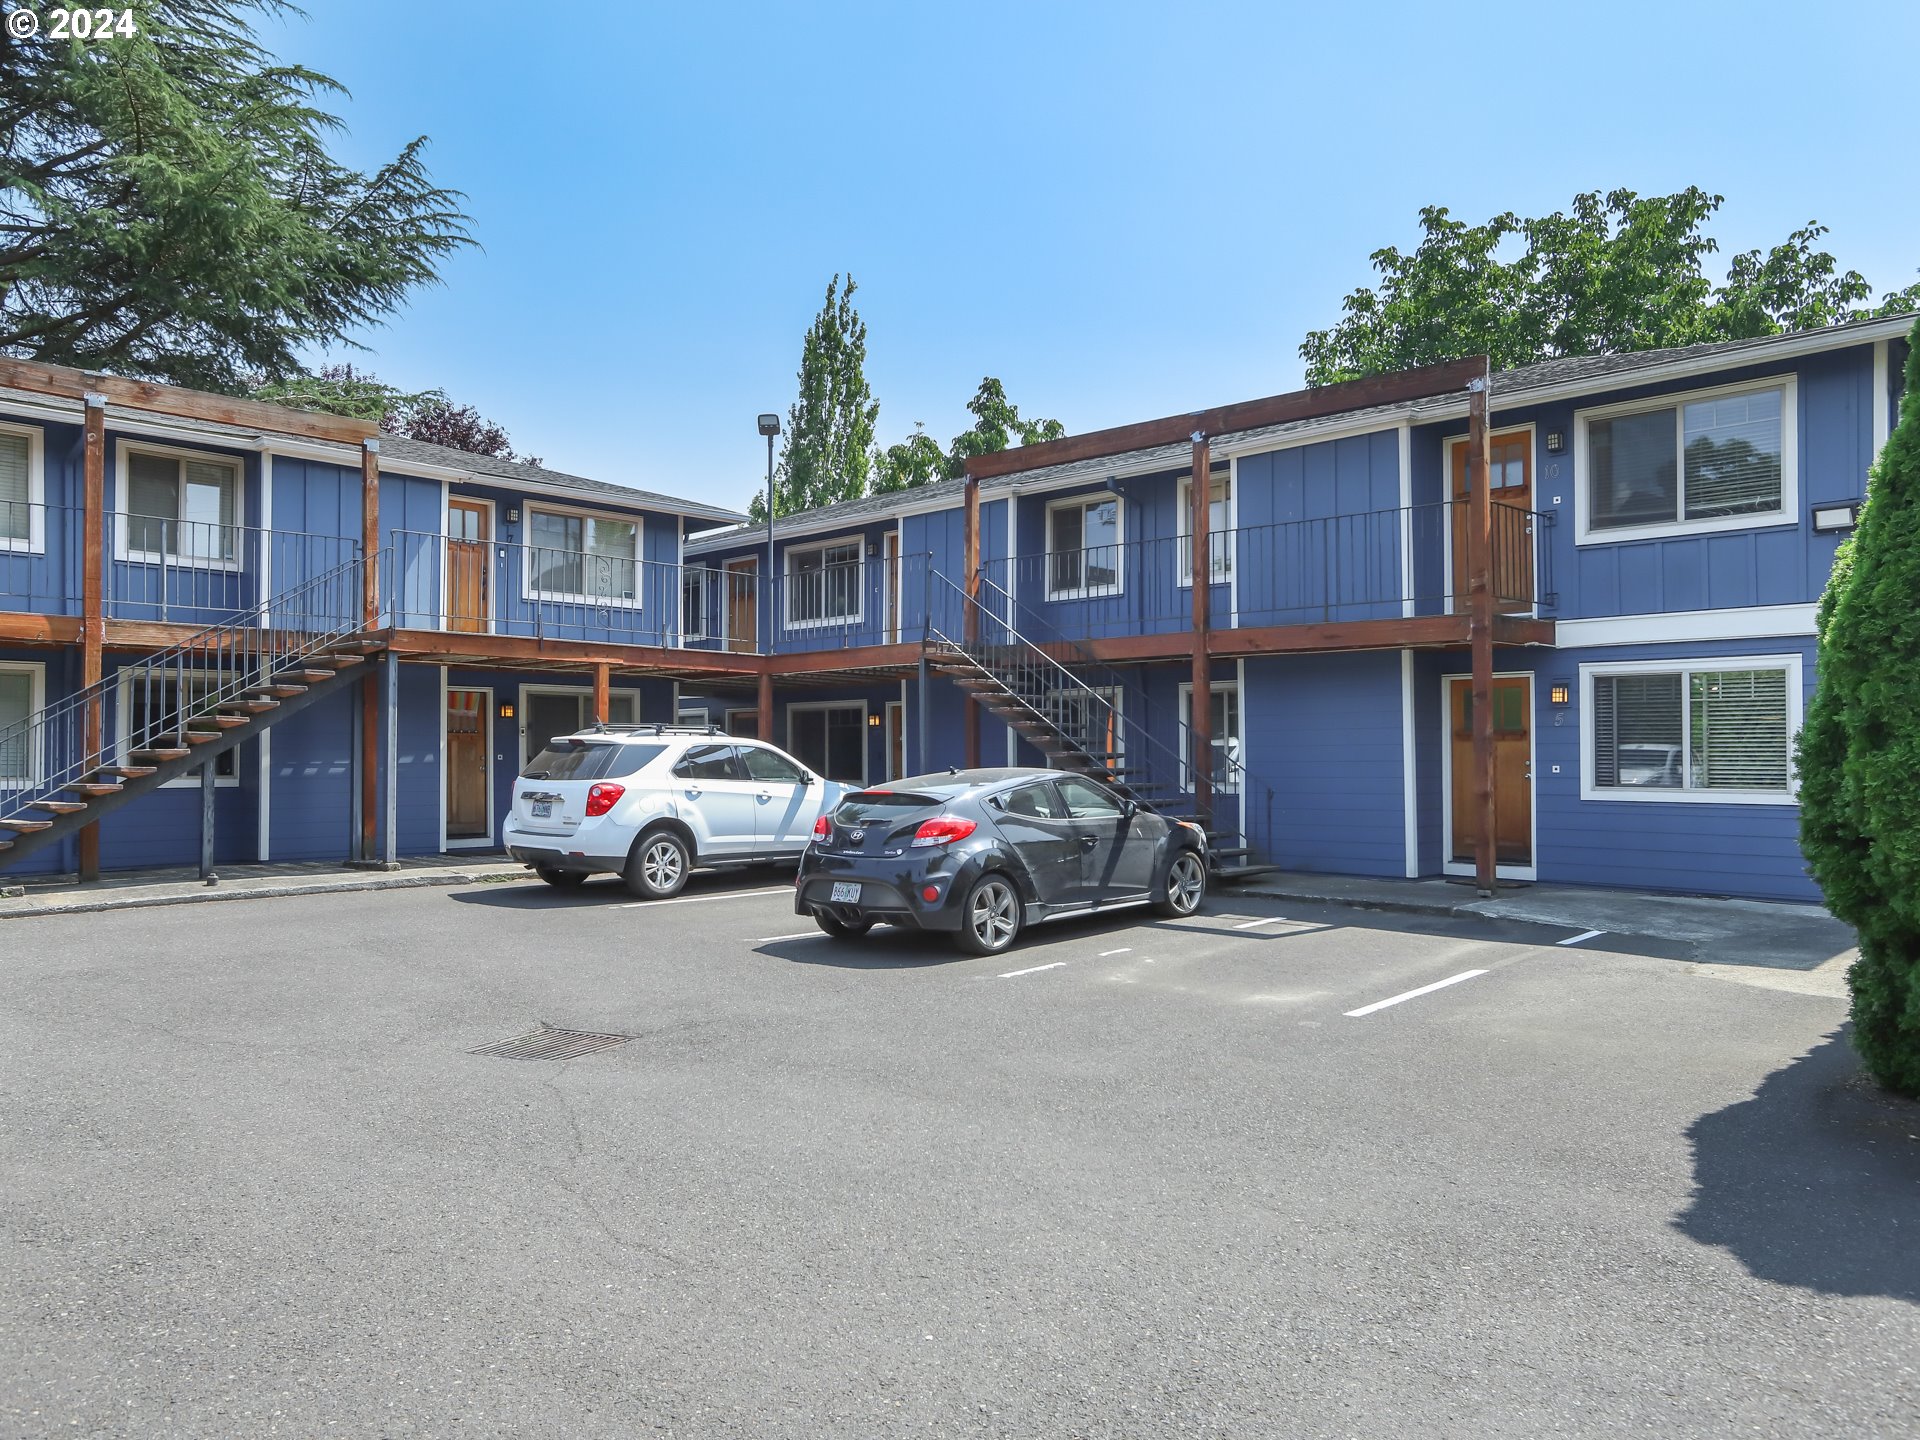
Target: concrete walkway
{"x": 131, "y": 889}
{"x": 1714, "y": 932}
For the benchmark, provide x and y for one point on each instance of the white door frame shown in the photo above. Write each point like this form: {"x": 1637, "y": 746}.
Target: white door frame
{"x": 586, "y": 690}
{"x": 446, "y": 774}
{"x": 1450, "y": 866}
{"x": 895, "y": 707}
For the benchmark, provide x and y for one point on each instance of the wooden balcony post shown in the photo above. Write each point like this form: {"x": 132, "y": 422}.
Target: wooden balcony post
{"x": 93, "y": 599}
{"x": 1480, "y": 630}
{"x": 370, "y": 617}
{"x": 602, "y": 686}
{"x": 970, "y": 622}
{"x": 1200, "y": 721}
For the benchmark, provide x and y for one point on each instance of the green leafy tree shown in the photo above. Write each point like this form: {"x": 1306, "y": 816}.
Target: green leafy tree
{"x": 1859, "y": 753}
{"x": 826, "y": 454}
{"x": 421, "y": 414}
{"x": 915, "y": 461}
{"x": 1618, "y": 272}
{"x": 997, "y": 423}
{"x": 169, "y": 208}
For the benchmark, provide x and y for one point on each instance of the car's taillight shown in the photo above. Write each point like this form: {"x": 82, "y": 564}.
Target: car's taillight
{"x": 822, "y": 830}
{"x": 942, "y": 830}
{"x": 602, "y": 798}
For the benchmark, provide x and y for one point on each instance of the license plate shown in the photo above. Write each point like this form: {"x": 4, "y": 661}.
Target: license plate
{"x": 542, "y": 809}
{"x": 844, "y": 894}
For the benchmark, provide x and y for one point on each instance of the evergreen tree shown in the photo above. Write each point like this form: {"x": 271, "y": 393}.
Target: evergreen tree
{"x": 1859, "y": 753}
{"x": 169, "y": 208}
{"x": 826, "y": 454}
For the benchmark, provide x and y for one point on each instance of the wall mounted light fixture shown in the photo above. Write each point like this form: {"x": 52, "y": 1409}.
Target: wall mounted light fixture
{"x": 1560, "y": 693}
{"x": 1836, "y": 517}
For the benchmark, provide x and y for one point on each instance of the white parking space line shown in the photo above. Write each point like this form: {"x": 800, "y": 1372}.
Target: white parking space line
{"x": 1268, "y": 920}
{"x": 1123, "y": 950}
{"x": 1033, "y": 970}
{"x": 797, "y": 935}
{"x": 703, "y": 899}
{"x": 1583, "y": 935}
{"x": 1414, "y": 994}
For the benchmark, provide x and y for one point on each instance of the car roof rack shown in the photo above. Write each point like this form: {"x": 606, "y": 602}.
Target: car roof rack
{"x": 603, "y": 728}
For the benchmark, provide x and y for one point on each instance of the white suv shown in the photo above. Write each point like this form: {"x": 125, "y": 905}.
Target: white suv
{"x": 650, "y": 802}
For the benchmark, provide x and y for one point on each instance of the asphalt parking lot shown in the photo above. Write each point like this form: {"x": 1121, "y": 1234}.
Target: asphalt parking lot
{"x": 1271, "y": 1170}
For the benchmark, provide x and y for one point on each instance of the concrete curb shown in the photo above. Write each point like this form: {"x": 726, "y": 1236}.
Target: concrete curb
{"x": 260, "y": 892}
{"x": 1359, "y": 902}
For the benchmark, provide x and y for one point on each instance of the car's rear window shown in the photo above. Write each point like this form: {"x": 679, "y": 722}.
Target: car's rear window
{"x": 864, "y": 807}
{"x": 590, "y": 760}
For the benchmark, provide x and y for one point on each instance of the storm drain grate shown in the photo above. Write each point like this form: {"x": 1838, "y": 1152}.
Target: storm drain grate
{"x": 550, "y": 1042}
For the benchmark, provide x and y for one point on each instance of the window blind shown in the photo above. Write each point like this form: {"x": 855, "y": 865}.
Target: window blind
{"x": 1739, "y": 730}
{"x": 16, "y": 703}
{"x": 15, "y": 518}
{"x": 1733, "y": 454}
{"x": 1637, "y": 731}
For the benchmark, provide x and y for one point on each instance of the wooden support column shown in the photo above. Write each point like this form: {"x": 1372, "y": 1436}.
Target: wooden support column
{"x": 766, "y": 706}
{"x": 1480, "y": 631}
{"x": 93, "y": 601}
{"x": 1200, "y": 721}
{"x": 970, "y": 623}
{"x": 602, "y": 685}
{"x": 369, "y": 619}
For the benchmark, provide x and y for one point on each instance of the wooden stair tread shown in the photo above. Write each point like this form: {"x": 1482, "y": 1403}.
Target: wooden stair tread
{"x": 284, "y": 692}
{"x": 127, "y": 772}
{"x": 93, "y": 787}
{"x": 302, "y": 677}
{"x": 224, "y": 722}
{"x": 60, "y": 807}
{"x": 163, "y": 753}
{"x": 27, "y": 827}
{"x": 252, "y": 707}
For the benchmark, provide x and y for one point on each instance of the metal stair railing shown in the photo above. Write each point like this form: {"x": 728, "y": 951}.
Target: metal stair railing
{"x": 1230, "y": 774}
{"x": 43, "y": 757}
{"x": 1034, "y": 679}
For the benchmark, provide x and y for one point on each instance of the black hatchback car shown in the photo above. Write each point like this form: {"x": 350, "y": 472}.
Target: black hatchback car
{"x": 982, "y": 854}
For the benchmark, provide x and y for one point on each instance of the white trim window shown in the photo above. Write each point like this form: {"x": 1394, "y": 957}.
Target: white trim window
{"x": 825, "y": 584}
{"x": 1084, "y": 540}
{"x": 539, "y": 723}
{"x": 1721, "y": 459}
{"x": 1219, "y": 529}
{"x": 22, "y": 489}
{"x": 22, "y": 695}
{"x": 179, "y": 507}
{"x": 696, "y": 583}
{"x": 1227, "y": 747}
{"x": 583, "y": 556}
{"x": 135, "y": 695}
{"x": 1712, "y": 731}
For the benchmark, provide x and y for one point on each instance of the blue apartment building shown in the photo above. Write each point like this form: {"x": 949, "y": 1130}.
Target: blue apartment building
{"x": 334, "y": 644}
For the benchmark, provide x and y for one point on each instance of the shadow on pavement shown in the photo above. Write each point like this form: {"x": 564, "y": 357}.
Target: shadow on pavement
{"x": 1815, "y": 1181}
{"x": 532, "y": 893}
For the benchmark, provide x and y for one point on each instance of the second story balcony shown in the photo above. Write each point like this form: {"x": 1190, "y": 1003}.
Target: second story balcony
{"x": 1372, "y": 565}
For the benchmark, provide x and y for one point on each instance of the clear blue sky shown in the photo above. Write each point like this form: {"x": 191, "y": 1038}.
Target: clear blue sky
{"x": 1122, "y": 211}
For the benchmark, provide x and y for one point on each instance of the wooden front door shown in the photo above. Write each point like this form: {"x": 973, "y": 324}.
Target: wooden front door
{"x": 468, "y": 773}
{"x": 743, "y": 604}
{"x": 1510, "y": 459}
{"x": 1512, "y": 769}
{"x": 896, "y": 740}
{"x": 469, "y": 543}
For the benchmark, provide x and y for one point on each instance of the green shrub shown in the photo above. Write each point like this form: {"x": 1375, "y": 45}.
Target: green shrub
{"x": 1859, "y": 753}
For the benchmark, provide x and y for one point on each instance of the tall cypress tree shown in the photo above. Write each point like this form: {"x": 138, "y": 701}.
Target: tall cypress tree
{"x": 826, "y": 455}
{"x": 1859, "y": 753}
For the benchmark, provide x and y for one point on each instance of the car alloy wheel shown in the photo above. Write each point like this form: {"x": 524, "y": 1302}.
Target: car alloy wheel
{"x": 1186, "y": 885}
{"x": 991, "y": 918}
{"x": 659, "y": 866}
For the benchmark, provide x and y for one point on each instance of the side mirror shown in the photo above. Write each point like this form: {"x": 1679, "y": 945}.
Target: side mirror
{"x": 1129, "y": 808}
{"x": 807, "y": 777}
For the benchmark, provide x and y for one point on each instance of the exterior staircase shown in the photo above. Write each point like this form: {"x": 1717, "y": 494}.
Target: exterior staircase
{"x": 186, "y": 705}
{"x": 1073, "y": 724}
